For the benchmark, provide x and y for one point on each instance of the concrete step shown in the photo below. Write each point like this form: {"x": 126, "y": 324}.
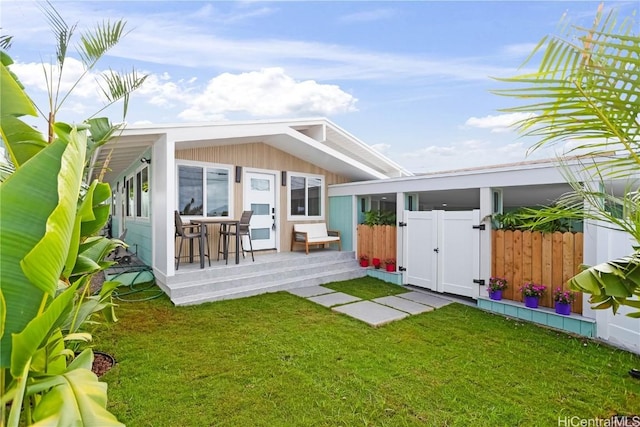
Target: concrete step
{"x": 318, "y": 278}
{"x": 263, "y": 263}
{"x": 271, "y": 273}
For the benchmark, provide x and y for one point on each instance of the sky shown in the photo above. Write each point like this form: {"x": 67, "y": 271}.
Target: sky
{"x": 411, "y": 79}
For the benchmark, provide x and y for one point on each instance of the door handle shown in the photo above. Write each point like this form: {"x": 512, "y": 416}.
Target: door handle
{"x": 436, "y": 250}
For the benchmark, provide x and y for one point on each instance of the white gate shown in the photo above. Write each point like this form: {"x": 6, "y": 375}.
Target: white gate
{"x": 442, "y": 251}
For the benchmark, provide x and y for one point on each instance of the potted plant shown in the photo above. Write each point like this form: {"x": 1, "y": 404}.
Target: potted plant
{"x": 390, "y": 264}
{"x": 563, "y": 300}
{"x": 376, "y": 262}
{"x": 364, "y": 261}
{"x": 496, "y": 286}
{"x": 532, "y": 293}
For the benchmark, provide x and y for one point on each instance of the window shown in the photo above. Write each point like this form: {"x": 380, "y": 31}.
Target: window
{"x": 306, "y": 195}
{"x": 204, "y": 189}
{"x": 137, "y": 194}
{"x": 130, "y": 197}
{"x": 142, "y": 193}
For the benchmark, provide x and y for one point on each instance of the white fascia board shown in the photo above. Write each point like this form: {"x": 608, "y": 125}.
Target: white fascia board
{"x": 335, "y": 154}
{"x": 229, "y": 130}
{"x": 508, "y": 177}
{"x": 361, "y": 145}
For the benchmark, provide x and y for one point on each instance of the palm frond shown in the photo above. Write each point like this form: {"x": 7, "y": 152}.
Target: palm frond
{"x": 94, "y": 44}
{"x": 117, "y": 86}
{"x": 590, "y": 89}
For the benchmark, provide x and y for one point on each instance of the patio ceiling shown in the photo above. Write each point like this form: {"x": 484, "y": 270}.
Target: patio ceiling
{"x": 118, "y": 154}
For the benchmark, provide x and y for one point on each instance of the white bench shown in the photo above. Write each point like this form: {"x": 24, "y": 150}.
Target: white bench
{"x": 314, "y": 234}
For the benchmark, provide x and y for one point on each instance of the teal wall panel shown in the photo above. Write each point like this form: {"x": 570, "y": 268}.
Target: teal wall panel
{"x": 575, "y": 324}
{"x": 138, "y": 229}
{"x": 341, "y": 219}
{"x": 395, "y": 278}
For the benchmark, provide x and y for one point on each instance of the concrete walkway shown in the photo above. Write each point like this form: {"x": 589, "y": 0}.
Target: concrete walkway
{"x": 376, "y": 312}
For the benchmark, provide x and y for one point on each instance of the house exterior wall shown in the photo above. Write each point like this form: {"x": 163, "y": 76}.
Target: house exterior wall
{"x": 601, "y": 244}
{"x": 341, "y": 219}
{"x": 139, "y": 232}
{"x": 260, "y": 156}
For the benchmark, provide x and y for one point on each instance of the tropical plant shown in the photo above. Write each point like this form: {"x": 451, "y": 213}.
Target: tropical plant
{"x": 50, "y": 248}
{"x": 379, "y": 217}
{"x": 525, "y": 219}
{"x": 530, "y": 289}
{"x": 586, "y": 91}
{"x": 497, "y": 284}
{"x": 564, "y": 297}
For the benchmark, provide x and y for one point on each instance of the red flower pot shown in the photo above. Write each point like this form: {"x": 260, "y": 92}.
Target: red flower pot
{"x": 364, "y": 263}
{"x": 390, "y": 267}
{"x": 376, "y": 262}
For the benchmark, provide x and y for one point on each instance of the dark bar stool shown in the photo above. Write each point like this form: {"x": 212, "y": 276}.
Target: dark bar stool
{"x": 223, "y": 239}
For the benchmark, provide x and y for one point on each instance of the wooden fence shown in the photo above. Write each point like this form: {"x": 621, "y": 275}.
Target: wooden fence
{"x": 544, "y": 258}
{"x": 377, "y": 241}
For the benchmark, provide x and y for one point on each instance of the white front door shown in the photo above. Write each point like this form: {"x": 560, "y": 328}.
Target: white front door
{"x": 260, "y": 197}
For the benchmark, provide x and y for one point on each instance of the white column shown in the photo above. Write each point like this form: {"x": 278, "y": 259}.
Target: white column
{"x": 400, "y": 203}
{"x": 163, "y": 189}
{"x": 486, "y": 209}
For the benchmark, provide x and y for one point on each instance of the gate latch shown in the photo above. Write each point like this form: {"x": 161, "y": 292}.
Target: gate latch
{"x": 402, "y": 224}
{"x": 479, "y": 281}
{"x": 401, "y": 268}
{"x": 480, "y": 227}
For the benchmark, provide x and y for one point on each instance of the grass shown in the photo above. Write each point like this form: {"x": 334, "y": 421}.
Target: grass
{"x": 280, "y": 360}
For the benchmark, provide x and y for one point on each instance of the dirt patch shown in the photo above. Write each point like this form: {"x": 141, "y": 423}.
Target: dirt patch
{"x": 102, "y": 362}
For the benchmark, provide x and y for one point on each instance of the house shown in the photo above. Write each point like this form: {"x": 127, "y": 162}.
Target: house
{"x": 281, "y": 170}
{"x": 310, "y": 170}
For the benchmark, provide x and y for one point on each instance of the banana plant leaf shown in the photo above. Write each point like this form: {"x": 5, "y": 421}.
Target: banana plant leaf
{"x": 75, "y": 397}
{"x": 36, "y": 231}
{"x": 22, "y": 141}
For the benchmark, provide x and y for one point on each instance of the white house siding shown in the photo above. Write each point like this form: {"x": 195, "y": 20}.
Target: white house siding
{"x": 603, "y": 244}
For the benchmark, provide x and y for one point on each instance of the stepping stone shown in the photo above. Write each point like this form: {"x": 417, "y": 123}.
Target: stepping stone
{"x": 426, "y": 299}
{"x": 311, "y": 291}
{"x": 371, "y": 313}
{"x": 335, "y": 298}
{"x": 403, "y": 305}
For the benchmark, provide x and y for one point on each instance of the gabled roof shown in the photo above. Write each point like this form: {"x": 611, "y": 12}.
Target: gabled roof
{"x": 317, "y": 141}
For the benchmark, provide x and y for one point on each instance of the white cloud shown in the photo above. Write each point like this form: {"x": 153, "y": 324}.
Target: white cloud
{"x": 368, "y": 15}
{"x": 266, "y": 93}
{"x": 32, "y": 75}
{"x": 499, "y": 123}
{"x": 162, "y": 92}
{"x": 519, "y": 50}
{"x": 464, "y": 154}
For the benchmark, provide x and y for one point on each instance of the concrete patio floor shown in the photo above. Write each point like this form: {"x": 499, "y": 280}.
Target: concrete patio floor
{"x": 376, "y": 312}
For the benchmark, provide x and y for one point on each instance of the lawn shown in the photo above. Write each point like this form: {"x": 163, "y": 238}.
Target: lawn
{"x": 279, "y": 360}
